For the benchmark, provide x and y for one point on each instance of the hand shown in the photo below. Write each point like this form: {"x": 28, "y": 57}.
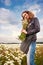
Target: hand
{"x": 23, "y": 30}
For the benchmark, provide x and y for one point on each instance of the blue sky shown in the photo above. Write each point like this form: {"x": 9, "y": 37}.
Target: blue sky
{"x": 10, "y": 18}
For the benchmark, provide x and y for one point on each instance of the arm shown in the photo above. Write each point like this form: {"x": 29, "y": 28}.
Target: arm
{"x": 36, "y": 27}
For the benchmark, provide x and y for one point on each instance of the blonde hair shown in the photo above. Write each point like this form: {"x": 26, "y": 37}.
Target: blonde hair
{"x": 31, "y": 15}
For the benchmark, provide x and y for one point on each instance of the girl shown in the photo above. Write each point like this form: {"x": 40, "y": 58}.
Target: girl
{"x": 32, "y": 29}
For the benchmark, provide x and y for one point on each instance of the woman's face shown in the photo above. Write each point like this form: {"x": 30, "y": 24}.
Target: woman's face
{"x": 25, "y": 16}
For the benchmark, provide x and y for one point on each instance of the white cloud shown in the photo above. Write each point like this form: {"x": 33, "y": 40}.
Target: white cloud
{"x": 6, "y": 2}
{"x": 7, "y": 17}
{"x": 41, "y": 21}
{"x": 8, "y": 31}
{"x": 35, "y": 9}
{"x": 40, "y": 34}
{"x": 9, "y": 39}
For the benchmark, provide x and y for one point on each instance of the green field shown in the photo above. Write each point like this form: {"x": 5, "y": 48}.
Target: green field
{"x": 39, "y": 54}
{"x": 10, "y": 54}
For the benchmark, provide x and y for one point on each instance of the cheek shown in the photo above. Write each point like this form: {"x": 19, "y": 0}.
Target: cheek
{"x": 27, "y": 16}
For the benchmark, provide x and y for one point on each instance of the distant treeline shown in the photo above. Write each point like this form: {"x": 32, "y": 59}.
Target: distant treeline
{"x": 39, "y": 42}
{"x": 19, "y": 43}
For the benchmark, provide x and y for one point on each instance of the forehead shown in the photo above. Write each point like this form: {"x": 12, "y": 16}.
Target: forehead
{"x": 24, "y": 14}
